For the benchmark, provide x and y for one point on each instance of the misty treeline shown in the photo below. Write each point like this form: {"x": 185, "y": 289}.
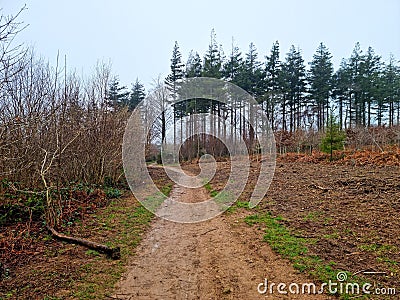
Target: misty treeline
{"x": 364, "y": 90}
{"x": 363, "y": 94}
{"x": 298, "y": 97}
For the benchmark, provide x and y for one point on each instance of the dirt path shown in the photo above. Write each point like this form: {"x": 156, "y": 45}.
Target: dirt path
{"x": 222, "y": 258}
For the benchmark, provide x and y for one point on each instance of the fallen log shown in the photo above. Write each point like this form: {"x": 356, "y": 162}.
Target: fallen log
{"x": 114, "y": 252}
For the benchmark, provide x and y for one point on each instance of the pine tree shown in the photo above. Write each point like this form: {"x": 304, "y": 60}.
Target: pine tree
{"x": 232, "y": 67}
{"x": 320, "y": 80}
{"x": 341, "y": 92}
{"x": 117, "y": 96}
{"x": 356, "y": 105}
{"x": 294, "y": 76}
{"x": 334, "y": 137}
{"x": 213, "y": 59}
{"x": 390, "y": 93}
{"x": 273, "y": 84}
{"x": 177, "y": 69}
{"x": 137, "y": 95}
{"x": 194, "y": 65}
{"x": 173, "y": 81}
{"x": 369, "y": 81}
{"x": 252, "y": 76}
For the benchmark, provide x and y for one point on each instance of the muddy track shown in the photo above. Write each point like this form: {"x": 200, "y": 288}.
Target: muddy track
{"x": 222, "y": 258}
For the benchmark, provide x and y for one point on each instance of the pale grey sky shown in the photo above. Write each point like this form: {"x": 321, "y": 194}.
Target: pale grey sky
{"x": 138, "y": 36}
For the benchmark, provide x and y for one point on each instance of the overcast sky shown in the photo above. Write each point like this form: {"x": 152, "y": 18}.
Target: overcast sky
{"x": 138, "y": 36}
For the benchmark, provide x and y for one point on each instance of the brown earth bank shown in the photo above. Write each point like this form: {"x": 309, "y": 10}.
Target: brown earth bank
{"x": 349, "y": 214}
{"x": 352, "y": 214}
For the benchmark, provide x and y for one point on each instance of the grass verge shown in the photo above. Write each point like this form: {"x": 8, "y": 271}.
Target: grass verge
{"x": 123, "y": 224}
{"x": 296, "y": 251}
{"x": 127, "y": 222}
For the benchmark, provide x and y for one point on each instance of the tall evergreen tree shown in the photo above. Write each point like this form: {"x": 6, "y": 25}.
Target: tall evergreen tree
{"x": 138, "y": 94}
{"x": 273, "y": 84}
{"x": 117, "y": 96}
{"x": 212, "y": 59}
{"x": 370, "y": 81}
{"x": 177, "y": 69}
{"x": 194, "y": 65}
{"x": 293, "y": 73}
{"x": 341, "y": 81}
{"x": 172, "y": 81}
{"x": 212, "y": 67}
{"x": 232, "y": 67}
{"x": 231, "y": 72}
{"x": 390, "y": 94}
{"x": 356, "y": 106}
{"x": 252, "y": 77}
{"x": 320, "y": 80}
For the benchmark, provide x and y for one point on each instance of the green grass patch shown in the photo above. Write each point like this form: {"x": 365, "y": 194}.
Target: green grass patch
{"x": 242, "y": 204}
{"x": 166, "y": 189}
{"x": 238, "y": 204}
{"x": 154, "y": 201}
{"x": 388, "y": 261}
{"x": 224, "y": 199}
{"x": 213, "y": 193}
{"x": 295, "y": 249}
{"x": 208, "y": 186}
{"x": 91, "y": 252}
{"x": 378, "y": 248}
{"x": 383, "y": 251}
{"x": 279, "y": 237}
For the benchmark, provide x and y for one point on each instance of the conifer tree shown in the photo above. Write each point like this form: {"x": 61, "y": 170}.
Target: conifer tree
{"x": 390, "y": 93}
{"x": 369, "y": 81}
{"x": 137, "y": 95}
{"x": 177, "y": 69}
{"x": 194, "y": 65}
{"x": 294, "y": 80}
{"x": 117, "y": 96}
{"x": 252, "y": 77}
{"x": 334, "y": 137}
{"x": 232, "y": 67}
{"x": 213, "y": 59}
{"x": 320, "y": 80}
{"x": 273, "y": 86}
{"x": 341, "y": 92}
{"x": 172, "y": 81}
